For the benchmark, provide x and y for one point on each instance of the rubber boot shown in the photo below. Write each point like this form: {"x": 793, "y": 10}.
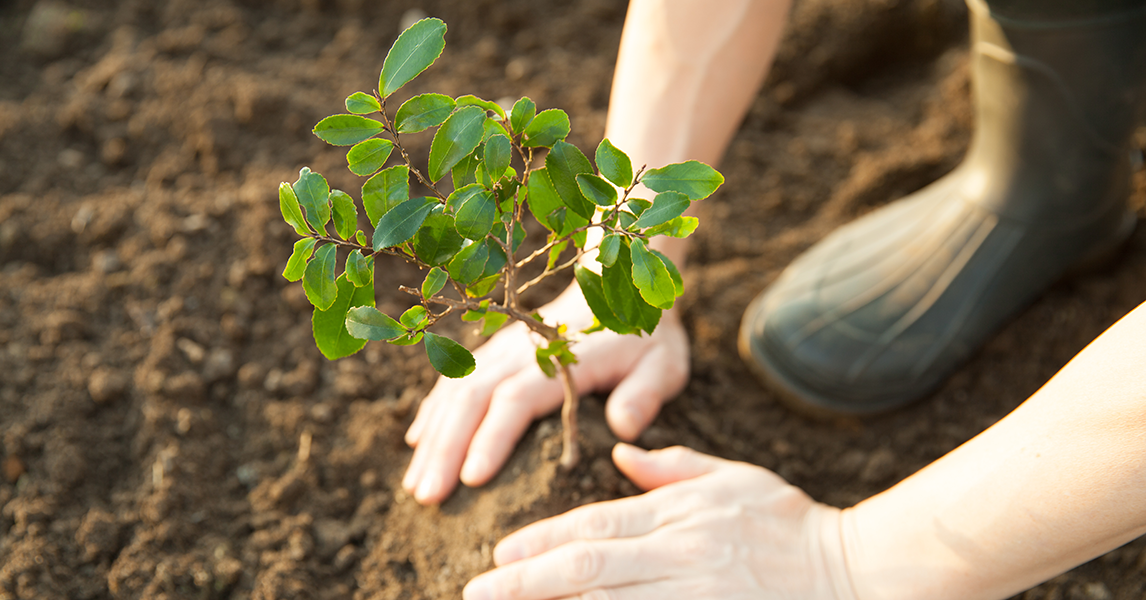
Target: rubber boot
{"x": 881, "y": 311}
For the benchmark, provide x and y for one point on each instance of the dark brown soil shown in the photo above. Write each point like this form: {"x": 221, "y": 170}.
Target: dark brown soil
{"x": 157, "y": 376}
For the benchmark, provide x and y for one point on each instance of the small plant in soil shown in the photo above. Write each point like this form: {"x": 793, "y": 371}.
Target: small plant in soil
{"x": 488, "y": 167}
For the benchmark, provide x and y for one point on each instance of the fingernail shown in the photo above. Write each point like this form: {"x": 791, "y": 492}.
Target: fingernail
{"x": 474, "y": 469}
{"x": 477, "y": 589}
{"x": 430, "y": 487}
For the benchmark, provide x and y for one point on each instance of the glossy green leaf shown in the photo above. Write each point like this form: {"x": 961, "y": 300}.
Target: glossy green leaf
{"x": 413, "y": 52}
{"x": 460, "y": 195}
{"x": 422, "y": 112}
{"x": 666, "y": 207}
{"x": 596, "y": 189}
{"x": 623, "y": 296}
{"x": 547, "y": 128}
{"x": 360, "y": 237}
{"x": 313, "y": 194}
{"x": 483, "y": 286}
{"x": 434, "y": 282}
{"x": 680, "y": 227}
{"x": 471, "y": 100}
{"x": 361, "y": 103}
{"x": 563, "y": 163}
{"x": 408, "y": 339}
{"x": 543, "y": 199}
{"x": 693, "y": 179}
{"x": 492, "y": 322}
{"x": 610, "y": 246}
{"x": 555, "y": 254}
{"x": 498, "y": 153}
{"x": 329, "y": 325}
{"x": 614, "y": 165}
{"x": 468, "y": 265}
{"x": 402, "y": 222}
{"x": 652, "y": 277}
{"x": 345, "y": 214}
{"x": 497, "y": 259}
{"x": 387, "y": 189}
{"x": 368, "y": 323}
{"x": 415, "y": 317}
{"x": 463, "y": 173}
{"x": 677, "y": 279}
{"x": 437, "y": 240}
{"x": 449, "y": 357}
{"x": 318, "y": 279}
{"x": 475, "y": 215}
{"x": 637, "y": 206}
{"x": 347, "y": 130}
{"x": 296, "y": 264}
{"x": 292, "y": 212}
{"x": 359, "y": 269}
{"x": 367, "y": 157}
{"x": 455, "y": 139}
{"x": 592, "y": 289}
{"x": 521, "y": 115}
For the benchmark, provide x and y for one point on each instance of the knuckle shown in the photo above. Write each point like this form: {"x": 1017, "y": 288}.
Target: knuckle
{"x": 582, "y": 563}
{"x": 596, "y": 525}
{"x": 597, "y": 595}
{"x": 701, "y": 550}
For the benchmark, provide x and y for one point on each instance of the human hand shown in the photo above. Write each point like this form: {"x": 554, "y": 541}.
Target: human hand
{"x": 466, "y": 428}
{"x": 711, "y": 528}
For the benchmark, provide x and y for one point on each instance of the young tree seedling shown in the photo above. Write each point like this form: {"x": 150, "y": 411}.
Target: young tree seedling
{"x": 467, "y": 234}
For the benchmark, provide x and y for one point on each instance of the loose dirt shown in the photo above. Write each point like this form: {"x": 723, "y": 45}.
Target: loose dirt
{"x": 169, "y": 429}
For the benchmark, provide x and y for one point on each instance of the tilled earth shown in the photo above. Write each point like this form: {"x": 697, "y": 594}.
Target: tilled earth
{"x": 169, "y": 429}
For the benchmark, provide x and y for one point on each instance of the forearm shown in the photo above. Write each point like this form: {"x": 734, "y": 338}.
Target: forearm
{"x": 1059, "y": 481}
{"x": 687, "y": 71}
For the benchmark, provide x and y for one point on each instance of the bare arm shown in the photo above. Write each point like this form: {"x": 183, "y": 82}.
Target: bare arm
{"x": 1059, "y": 481}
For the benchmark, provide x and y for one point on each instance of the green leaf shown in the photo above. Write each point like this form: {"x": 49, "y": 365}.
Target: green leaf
{"x": 449, "y": 357}
{"x": 360, "y": 237}
{"x": 313, "y": 194}
{"x": 347, "y": 130}
{"x": 296, "y": 264}
{"x": 422, "y": 112}
{"x": 555, "y": 254}
{"x": 382, "y": 192}
{"x": 361, "y": 103}
{"x": 637, "y": 206}
{"x": 543, "y": 199}
{"x": 493, "y": 321}
{"x": 547, "y": 128}
{"x": 471, "y": 100}
{"x": 498, "y": 153}
{"x": 592, "y": 289}
{"x": 413, "y": 52}
{"x": 521, "y": 115}
{"x": 677, "y": 279}
{"x": 437, "y": 240}
{"x": 345, "y": 214}
{"x": 415, "y": 317}
{"x": 434, "y": 282}
{"x": 402, "y": 222}
{"x": 475, "y": 215}
{"x": 680, "y": 227}
{"x": 614, "y": 165}
{"x": 596, "y": 189}
{"x": 318, "y": 280}
{"x": 469, "y": 265}
{"x": 368, "y": 323}
{"x": 484, "y": 286}
{"x": 456, "y": 139}
{"x": 463, "y": 174}
{"x": 367, "y": 157}
{"x": 693, "y": 179}
{"x": 359, "y": 269}
{"x": 624, "y": 298}
{"x": 497, "y": 258}
{"x": 564, "y": 162}
{"x": 652, "y": 277}
{"x": 329, "y": 326}
{"x": 545, "y": 362}
{"x": 292, "y": 212}
{"x": 666, "y": 207}
{"x": 610, "y": 246}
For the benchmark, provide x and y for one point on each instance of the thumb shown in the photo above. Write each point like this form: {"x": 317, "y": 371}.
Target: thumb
{"x": 651, "y": 470}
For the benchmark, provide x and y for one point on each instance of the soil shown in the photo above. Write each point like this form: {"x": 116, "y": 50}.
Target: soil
{"x": 169, "y": 429}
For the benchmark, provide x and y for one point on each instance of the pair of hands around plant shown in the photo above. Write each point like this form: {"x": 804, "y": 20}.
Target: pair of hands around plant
{"x": 710, "y": 528}
{"x": 466, "y": 428}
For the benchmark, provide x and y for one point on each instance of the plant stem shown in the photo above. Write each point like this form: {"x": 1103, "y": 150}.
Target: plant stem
{"x": 570, "y": 447}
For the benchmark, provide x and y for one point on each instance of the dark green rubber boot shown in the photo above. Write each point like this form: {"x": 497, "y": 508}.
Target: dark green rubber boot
{"x": 880, "y": 312}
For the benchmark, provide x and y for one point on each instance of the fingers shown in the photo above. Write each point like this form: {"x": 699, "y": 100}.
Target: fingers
{"x": 516, "y": 402}
{"x": 657, "y": 377}
{"x": 651, "y": 470}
